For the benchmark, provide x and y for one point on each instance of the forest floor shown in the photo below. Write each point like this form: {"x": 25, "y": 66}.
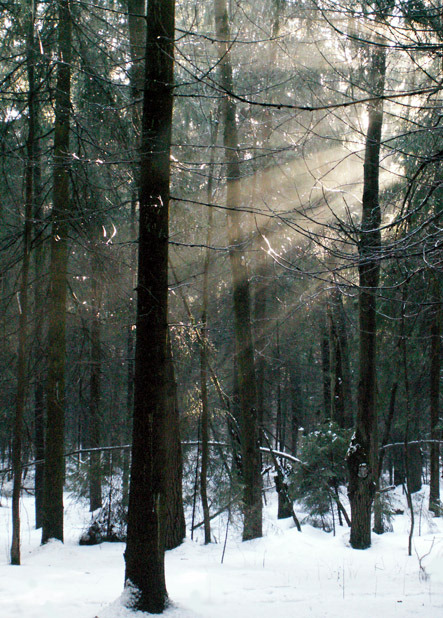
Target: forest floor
{"x": 284, "y": 574}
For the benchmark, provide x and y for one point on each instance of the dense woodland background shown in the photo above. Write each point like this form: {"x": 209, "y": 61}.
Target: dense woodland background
{"x": 304, "y": 252}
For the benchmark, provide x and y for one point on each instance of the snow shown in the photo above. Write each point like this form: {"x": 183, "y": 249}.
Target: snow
{"x": 286, "y": 573}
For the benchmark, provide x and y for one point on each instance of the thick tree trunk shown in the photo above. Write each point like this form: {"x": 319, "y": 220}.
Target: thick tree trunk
{"x": 435, "y": 369}
{"x": 362, "y": 455}
{"x": 251, "y": 466}
{"x": 173, "y": 512}
{"x": 379, "y": 525}
{"x": 144, "y": 555}
{"x": 137, "y": 47}
{"x": 55, "y": 398}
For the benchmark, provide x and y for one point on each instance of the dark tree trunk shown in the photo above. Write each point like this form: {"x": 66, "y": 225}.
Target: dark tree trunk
{"x": 284, "y": 509}
{"x": 362, "y": 455}
{"x": 144, "y": 555}
{"x": 398, "y": 457}
{"x": 55, "y": 393}
{"x": 435, "y": 369}
{"x": 95, "y": 484}
{"x": 260, "y": 300}
{"x": 39, "y": 329}
{"x": 127, "y": 426}
{"x": 339, "y": 317}
{"x": 341, "y": 391}
{"x": 174, "y": 516}
{"x": 279, "y": 416}
{"x": 137, "y": 47}
{"x": 204, "y": 415}
{"x": 22, "y": 377}
{"x": 415, "y": 467}
{"x": 296, "y": 402}
{"x": 39, "y": 441}
{"x": 204, "y": 349}
{"x": 326, "y": 370}
{"x": 379, "y": 526}
{"x": 338, "y": 404}
{"x": 341, "y": 399}
{"x": 251, "y": 461}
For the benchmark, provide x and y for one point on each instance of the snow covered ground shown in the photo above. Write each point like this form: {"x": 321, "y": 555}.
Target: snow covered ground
{"x": 285, "y": 574}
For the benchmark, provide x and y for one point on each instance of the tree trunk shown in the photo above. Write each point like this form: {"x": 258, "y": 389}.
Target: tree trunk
{"x": 144, "y": 555}
{"x": 251, "y": 467}
{"x": 137, "y": 46}
{"x": 55, "y": 397}
{"x": 22, "y": 378}
{"x": 296, "y": 401}
{"x": 435, "y": 369}
{"x": 340, "y": 393}
{"x": 362, "y": 454}
{"x": 174, "y": 516}
{"x": 39, "y": 326}
{"x": 326, "y": 370}
{"x": 339, "y": 317}
{"x": 127, "y": 427}
{"x": 39, "y": 442}
{"x": 260, "y": 298}
{"x": 204, "y": 348}
{"x": 379, "y": 525}
{"x": 95, "y": 484}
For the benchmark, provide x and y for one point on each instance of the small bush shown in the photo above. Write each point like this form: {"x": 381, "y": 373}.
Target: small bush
{"x": 315, "y": 483}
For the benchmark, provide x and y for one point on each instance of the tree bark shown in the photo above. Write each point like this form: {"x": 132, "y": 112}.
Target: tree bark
{"x": 127, "y": 427}
{"x": 204, "y": 347}
{"x": 362, "y": 454}
{"x": 339, "y": 315}
{"x": 144, "y": 555}
{"x": 95, "y": 485}
{"x": 296, "y": 401}
{"x": 137, "y": 46}
{"x": 379, "y": 526}
{"x": 341, "y": 388}
{"x": 39, "y": 255}
{"x": 435, "y": 369}
{"x": 173, "y": 512}
{"x": 326, "y": 368}
{"x": 22, "y": 378}
{"x": 55, "y": 395}
{"x": 251, "y": 466}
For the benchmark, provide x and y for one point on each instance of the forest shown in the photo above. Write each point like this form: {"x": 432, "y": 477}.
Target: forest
{"x": 221, "y": 259}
